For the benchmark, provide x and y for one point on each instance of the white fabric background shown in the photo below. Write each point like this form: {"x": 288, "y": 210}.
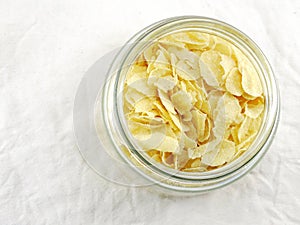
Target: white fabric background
{"x": 45, "y": 48}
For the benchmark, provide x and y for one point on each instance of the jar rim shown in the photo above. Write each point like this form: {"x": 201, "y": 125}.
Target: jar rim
{"x": 271, "y": 92}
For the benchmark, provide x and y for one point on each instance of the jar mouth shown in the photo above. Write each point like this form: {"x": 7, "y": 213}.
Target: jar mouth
{"x": 268, "y": 127}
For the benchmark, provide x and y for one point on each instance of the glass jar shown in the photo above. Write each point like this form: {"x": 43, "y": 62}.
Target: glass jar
{"x": 111, "y": 126}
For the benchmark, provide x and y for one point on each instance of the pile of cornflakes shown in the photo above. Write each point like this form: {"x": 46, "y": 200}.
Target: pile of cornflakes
{"x": 193, "y": 101}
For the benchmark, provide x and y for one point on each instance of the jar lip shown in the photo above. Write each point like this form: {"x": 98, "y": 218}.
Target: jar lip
{"x": 270, "y": 120}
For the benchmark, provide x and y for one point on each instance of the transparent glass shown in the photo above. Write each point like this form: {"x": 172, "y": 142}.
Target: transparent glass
{"x": 110, "y": 123}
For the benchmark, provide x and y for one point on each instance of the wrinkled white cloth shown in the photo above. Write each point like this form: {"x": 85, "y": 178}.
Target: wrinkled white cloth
{"x": 45, "y": 48}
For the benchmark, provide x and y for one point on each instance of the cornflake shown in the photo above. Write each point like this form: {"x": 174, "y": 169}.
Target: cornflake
{"x": 193, "y": 102}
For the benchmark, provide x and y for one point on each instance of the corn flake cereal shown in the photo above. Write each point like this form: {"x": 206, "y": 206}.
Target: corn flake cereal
{"x": 193, "y": 101}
